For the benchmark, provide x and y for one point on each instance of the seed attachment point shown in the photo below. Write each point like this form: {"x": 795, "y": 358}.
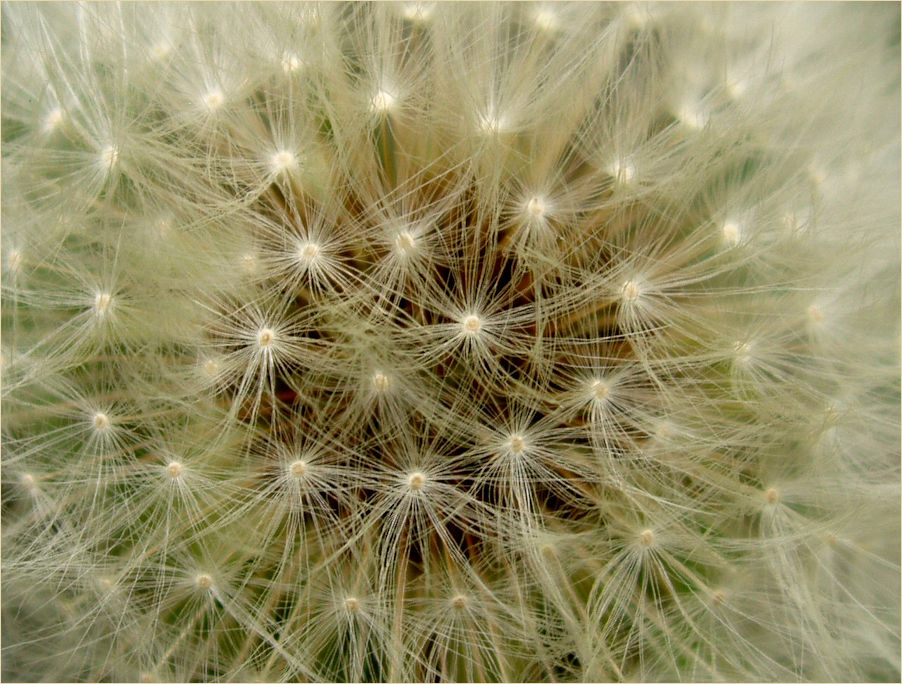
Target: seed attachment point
{"x": 100, "y": 421}
{"x": 213, "y": 100}
{"x": 471, "y": 325}
{"x": 382, "y": 102}
{"x": 630, "y": 292}
{"x": 103, "y": 301}
{"x": 282, "y": 161}
{"x": 732, "y": 233}
{"x": 266, "y": 337}
{"x": 380, "y": 381}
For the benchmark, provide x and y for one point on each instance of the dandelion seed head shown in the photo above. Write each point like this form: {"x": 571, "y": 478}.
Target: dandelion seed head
{"x": 283, "y": 160}
{"x": 380, "y": 381}
{"x": 732, "y": 233}
{"x": 298, "y": 468}
{"x": 291, "y": 62}
{"x": 249, "y": 263}
{"x": 630, "y": 291}
{"x": 623, "y": 171}
{"x": 416, "y": 481}
{"x": 100, "y": 421}
{"x": 103, "y": 302}
{"x": 405, "y": 243}
{"x": 308, "y": 252}
{"x": 491, "y": 124}
{"x": 382, "y": 102}
{"x": 599, "y": 390}
{"x": 53, "y": 119}
{"x": 743, "y": 352}
{"x": 516, "y": 443}
{"x": 266, "y": 337}
{"x": 108, "y": 157}
{"x": 536, "y": 207}
{"x": 471, "y": 325}
{"x": 213, "y": 100}
{"x": 210, "y": 367}
{"x": 444, "y": 305}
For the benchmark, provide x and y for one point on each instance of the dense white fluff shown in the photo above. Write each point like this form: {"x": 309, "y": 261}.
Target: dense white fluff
{"x": 450, "y": 341}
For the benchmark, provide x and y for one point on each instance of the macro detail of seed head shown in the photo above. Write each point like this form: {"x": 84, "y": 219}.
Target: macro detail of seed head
{"x": 418, "y": 341}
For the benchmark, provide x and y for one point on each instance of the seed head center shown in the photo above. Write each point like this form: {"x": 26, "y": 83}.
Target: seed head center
{"x": 405, "y": 242}
{"x": 630, "y": 291}
{"x": 102, "y": 302}
{"x": 536, "y": 207}
{"x": 732, "y": 233}
{"x": 109, "y": 156}
{"x": 53, "y": 119}
{"x": 266, "y": 337}
{"x": 283, "y": 160}
{"x": 382, "y": 101}
{"x": 600, "y": 390}
{"x": 308, "y": 252}
{"x": 416, "y": 481}
{"x": 380, "y": 381}
{"x": 471, "y": 325}
{"x": 291, "y": 62}
{"x": 213, "y": 100}
{"x": 101, "y": 421}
